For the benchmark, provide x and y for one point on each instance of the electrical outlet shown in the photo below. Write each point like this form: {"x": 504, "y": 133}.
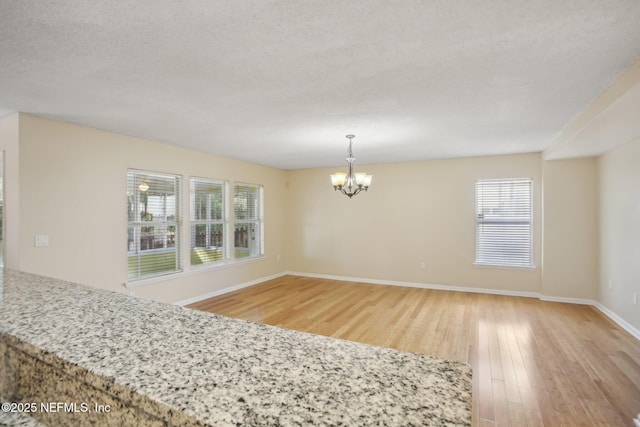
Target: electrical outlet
{"x": 610, "y": 285}
{"x": 423, "y": 265}
{"x": 635, "y": 298}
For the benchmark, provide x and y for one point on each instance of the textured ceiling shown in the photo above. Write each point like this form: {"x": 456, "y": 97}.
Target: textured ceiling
{"x": 281, "y": 82}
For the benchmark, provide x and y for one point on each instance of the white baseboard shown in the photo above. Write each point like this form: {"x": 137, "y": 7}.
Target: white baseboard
{"x": 606, "y": 311}
{"x": 226, "y": 290}
{"x": 618, "y": 320}
{"x": 420, "y": 285}
{"x": 567, "y": 300}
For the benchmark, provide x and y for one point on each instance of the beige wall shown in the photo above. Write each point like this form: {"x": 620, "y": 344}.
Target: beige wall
{"x": 72, "y": 188}
{"x": 609, "y": 128}
{"x": 619, "y": 172}
{"x": 9, "y": 131}
{"x": 71, "y": 179}
{"x": 570, "y": 233}
{"x": 414, "y": 212}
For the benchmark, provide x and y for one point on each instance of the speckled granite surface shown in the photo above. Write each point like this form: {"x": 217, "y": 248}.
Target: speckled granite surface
{"x": 224, "y": 371}
{"x": 18, "y": 419}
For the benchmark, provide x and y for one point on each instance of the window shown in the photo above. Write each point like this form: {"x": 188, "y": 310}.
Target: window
{"x": 208, "y": 221}
{"x": 153, "y": 203}
{"x": 248, "y": 226}
{"x": 504, "y": 222}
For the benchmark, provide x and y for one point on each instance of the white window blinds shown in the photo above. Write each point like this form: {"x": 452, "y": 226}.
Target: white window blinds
{"x": 208, "y": 221}
{"x": 153, "y": 202}
{"x": 249, "y": 220}
{"x": 504, "y": 222}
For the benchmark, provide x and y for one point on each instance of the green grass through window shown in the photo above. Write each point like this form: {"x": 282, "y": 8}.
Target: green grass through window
{"x": 204, "y": 255}
{"x": 149, "y": 264}
{"x": 157, "y": 263}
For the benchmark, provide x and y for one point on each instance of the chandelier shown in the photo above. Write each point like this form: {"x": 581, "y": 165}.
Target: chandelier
{"x": 352, "y": 183}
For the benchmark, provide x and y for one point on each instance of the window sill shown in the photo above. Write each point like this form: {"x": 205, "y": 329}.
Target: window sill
{"x": 193, "y": 270}
{"x": 505, "y": 267}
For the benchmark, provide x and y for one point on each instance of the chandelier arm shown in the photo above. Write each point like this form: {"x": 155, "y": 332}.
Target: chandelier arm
{"x": 351, "y": 193}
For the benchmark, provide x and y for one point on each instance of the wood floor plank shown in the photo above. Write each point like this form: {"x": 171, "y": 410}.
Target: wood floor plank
{"x": 535, "y": 363}
{"x": 500, "y": 404}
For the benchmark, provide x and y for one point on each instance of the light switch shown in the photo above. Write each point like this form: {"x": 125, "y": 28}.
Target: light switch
{"x": 42, "y": 240}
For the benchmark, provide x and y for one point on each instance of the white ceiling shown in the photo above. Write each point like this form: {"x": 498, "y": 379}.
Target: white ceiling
{"x": 281, "y": 82}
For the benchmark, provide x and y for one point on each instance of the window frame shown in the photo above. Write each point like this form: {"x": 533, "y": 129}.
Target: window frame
{"x": 135, "y": 226}
{"x": 518, "y": 253}
{"x": 223, "y": 221}
{"x": 257, "y": 222}
{"x": 181, "y": 244}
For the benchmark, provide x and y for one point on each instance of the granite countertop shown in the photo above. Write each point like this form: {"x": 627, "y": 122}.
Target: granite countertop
{"x": 225, "y": 371}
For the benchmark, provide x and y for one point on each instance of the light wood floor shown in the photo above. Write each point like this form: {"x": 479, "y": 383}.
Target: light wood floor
{"x": 534, "y": 362}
